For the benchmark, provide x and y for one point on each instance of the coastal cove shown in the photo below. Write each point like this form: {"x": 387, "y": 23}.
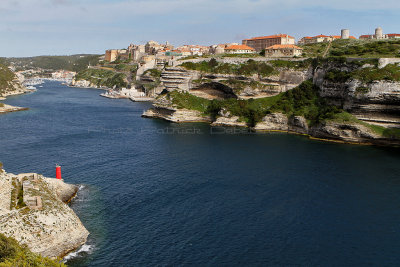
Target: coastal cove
{"x": 160, "y": 193}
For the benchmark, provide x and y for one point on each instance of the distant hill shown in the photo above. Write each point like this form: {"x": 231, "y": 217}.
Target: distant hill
{"x": 72, "y": 63}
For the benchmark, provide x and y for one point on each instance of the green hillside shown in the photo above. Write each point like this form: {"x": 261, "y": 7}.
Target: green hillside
{"x": 6, "y": 78}
{"x": 12, "y": 254}
{"x": 72, "y": 63}
{"x": 355, "y": 48}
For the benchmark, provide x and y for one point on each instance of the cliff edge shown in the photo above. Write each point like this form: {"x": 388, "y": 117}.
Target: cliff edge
{"x": 34, "y": 212}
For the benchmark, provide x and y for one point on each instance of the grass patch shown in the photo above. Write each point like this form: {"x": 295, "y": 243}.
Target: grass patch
{"x": 102, "y": 77}
{"x": 390, "y": 72}
{"x": 184, "y": 100}
{"x": 246, "y": 69}
{"x": 304, "y": 64}
{"x": 366, "y": 48}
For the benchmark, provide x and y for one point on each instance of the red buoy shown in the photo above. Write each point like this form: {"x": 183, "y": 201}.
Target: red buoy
{"x": 58, "y": 172}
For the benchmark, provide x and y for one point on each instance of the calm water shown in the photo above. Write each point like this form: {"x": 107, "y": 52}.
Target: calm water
{"x": 157, "y": 193}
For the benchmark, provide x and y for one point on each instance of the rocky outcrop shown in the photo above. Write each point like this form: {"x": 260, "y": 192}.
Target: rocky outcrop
{"x": 330, "y": 130}
{"x": 226, "y": 119}
{"x": 178, "y": 78}
{"x": 176, "y": 115}
{"x": 377, "y": 102}
{"x": 7, "y": 108}
{"x": 273, "y": 122}
{"x": 345, "y": 132}
{"x": 181, "y": 79}
{"x": 10, "y": 83}
{"x": 45, "y": 224}
{"x": 85, "y": 84}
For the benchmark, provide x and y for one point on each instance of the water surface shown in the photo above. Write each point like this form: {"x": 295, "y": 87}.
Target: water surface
{"x": 157, "y": 193}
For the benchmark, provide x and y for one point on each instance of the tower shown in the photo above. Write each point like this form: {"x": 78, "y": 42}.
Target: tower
{"x": 345, "y": 34}
{"x": 379, "y": 33}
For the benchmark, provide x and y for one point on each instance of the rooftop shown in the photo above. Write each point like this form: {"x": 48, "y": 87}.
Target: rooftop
{"x": 283, "y": 46}
{"x": 270, "y": 37}
{"x": 239, "y": 47}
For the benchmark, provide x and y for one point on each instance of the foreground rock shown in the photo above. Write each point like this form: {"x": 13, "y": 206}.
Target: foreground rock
{"x": 7, "y": 108}
{"x": 33, "y": 211}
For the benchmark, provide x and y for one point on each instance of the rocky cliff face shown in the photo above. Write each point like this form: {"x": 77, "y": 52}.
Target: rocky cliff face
{"x": 178, "y": 78}
{"x": 342, "y": 132}
{"x": 32, "y": 211}
{"x": 376, "y": 102}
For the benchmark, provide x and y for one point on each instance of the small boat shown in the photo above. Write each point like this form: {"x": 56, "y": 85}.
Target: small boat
{"x": 30, "y": 87}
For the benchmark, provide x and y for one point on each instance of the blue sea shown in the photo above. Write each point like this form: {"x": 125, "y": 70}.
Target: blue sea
{"x": 155, "y": 193}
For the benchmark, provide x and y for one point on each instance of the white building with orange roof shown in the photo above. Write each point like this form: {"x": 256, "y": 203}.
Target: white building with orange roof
{"x": 239, "y": 49}
{"x": 320, "y": 39}
{"x": 260, "y": 43}
{"x": 286, "y": 50}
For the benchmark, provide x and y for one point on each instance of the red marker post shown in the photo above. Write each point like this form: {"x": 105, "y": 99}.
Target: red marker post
{"x": 58, "y": 172}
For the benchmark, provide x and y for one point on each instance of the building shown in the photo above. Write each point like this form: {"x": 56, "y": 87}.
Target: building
{"x": 322, "y": 39}
{"x": 111, "y": 55}
{"x": 239, "y": 49}
{"x": 287, "y": 50}
{"x": 193, "y": 50}
{"x": 393, "y": 36}
{"x": 379, "y": 35}
{"x": 152, "y": 47}
{"x": 63, "y": 74}
{"x": 260, "y": 43}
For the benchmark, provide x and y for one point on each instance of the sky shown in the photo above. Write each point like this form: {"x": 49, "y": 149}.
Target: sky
{"x": 64, "y": 27}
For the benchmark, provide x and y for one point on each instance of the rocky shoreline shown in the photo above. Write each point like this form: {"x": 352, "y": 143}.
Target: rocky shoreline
{"x": 33, "y": 211}
{"x": 350, "y": 133}
{"x": 8, "y": 108}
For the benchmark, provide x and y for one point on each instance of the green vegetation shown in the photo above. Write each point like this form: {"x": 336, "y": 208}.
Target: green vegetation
{"x": 390, "y": 72}
{"x": 248, "y": 68}
{"x": 124, "y": 67}
{"x": 12, "y": 254}
{"x": 303, "y": 64}
{"x": 188, "y": 101}
{"x": 242, "y": 55}
{"x": 305, "y": 101}
{"x": 238, "y": 86}
{"x": 366, "y": 48}
{"x": 155, "y": 73}
{"x": 73, "y": 63}
{"x": 314, "y": 50}
{"x": 337, "y": 76}
{"x": 355, "y": 48}
{"x": 6, "y": 78}
{"x": 301, "y": 101}
{"x": 102, "y": 77}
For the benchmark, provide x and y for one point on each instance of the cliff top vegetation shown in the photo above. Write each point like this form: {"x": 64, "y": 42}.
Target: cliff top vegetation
{"x": 355, "y": 48}
{"x": 6, "y": 78}
{"x": 12, "y": 254}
